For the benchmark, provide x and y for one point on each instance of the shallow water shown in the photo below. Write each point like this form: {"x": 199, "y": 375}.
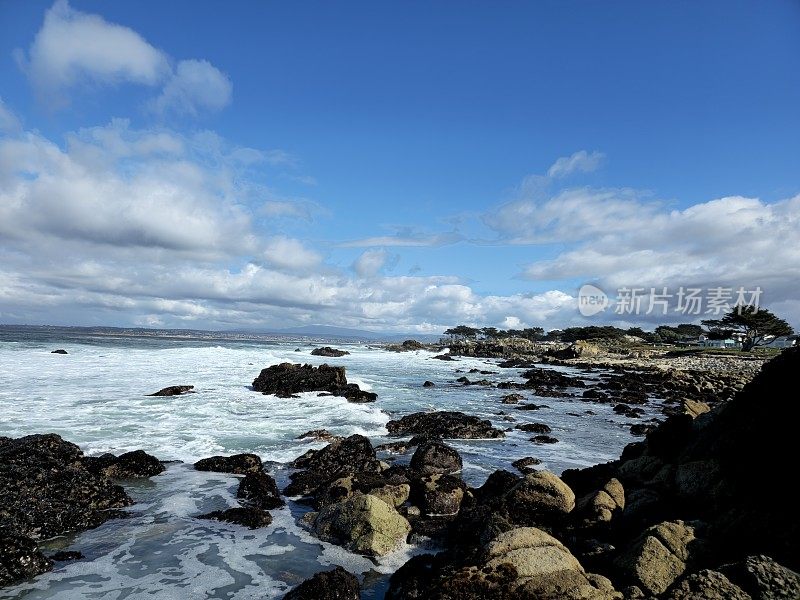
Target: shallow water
{"x": 96, "y": 397}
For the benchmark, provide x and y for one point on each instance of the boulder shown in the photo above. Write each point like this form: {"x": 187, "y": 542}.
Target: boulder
{"x": 337, "y": 584}
{"x": 436, "y": 457}
{"x": 544, "y": 439}
{"x": 340, "y": 458}
{"x": 706, "y": 585}
{"x": 658, "y": 557}
{"x": 428, "y": 384}
{"x": 238, "y": 464}
{"x": 444, "y": 424}
{"x": 540, "y": 493}
{"x": 59, "y": 351}
{"x": 20, "y": 559}
{"x": 363, "y": 524}
{"x": 443, "y": 357}
{"x": 763, "y": 578}
{"x": 694, "y": 408}
{"x": 45, "y": 489}
{"x": 130, "y": 465}
{"x": 260, "y": 490}
{"x": 438, "y": 495}
{"x": 328, "y": 351}
{"x": 600, "y": 506}
{"x": 247, "y": 516}
{"x": 173, "y": 390}
{"x": 412, "y": 345}
{"x": 286, "y": 379}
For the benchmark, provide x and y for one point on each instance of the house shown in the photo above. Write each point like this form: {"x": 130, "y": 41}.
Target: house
{"x": 779, "y": 342}
{"x": 731, "y": 342}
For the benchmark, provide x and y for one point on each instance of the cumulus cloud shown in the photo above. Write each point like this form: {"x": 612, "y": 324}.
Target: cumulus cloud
{"x": 370, "y": 262}
{"x": 196, "y": 86}
{"x": 289, "y": 253}
{"x": 581, "y": 161}
{"x": 293, "y": 208}
{"x": 75, "y": 49}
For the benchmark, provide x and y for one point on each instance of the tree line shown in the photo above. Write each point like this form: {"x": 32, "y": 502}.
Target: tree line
{"x": 756, "y": 326}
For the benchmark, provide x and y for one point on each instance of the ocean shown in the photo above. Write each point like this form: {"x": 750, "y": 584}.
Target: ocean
{"x": 96, "y": 397}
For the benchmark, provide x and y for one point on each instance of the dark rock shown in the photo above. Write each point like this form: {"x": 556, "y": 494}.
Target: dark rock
{"x": 512, "y": 398}
{"x": 286, "y": 379}
{"x": 444, "y": 424}
{"x": 322, "y": 435}
{"x": 464, "y": 380}
{"x": 544, "y": 439}
{"x": 238, "y": 464}
{"x": 525, "y": 465}
{"x": 59, "y": 351}
{"x": 351, "y": 455}
{"x": 45, "y": 489}
{"x": 173, "y": 390}
{"x": 66, "y": 555}
{"x": 260, "y": 490}
{"x": 642, "y": 428}
{"x": 438, "y": 494}
{"x": 247, "y": 516}
{"x": 130, "y": 465}
{"x": 443, "y": 357}
{"x": 20, "y": 558}
{"x": 328, "y": 585}
{"x": 534, "y": 428}
{"x": 531, "y": 406}
{"x": 328, "y": 351}
{"x": 539, "y": 377}
{"x": 428, "y": 384}
{"x": 412, "y": 345}
{"x": 435, "y": 457}
{"x": 763, "y": 578}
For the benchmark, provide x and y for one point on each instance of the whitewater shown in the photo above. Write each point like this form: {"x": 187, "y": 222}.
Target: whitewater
{"x": 96, "y": 396}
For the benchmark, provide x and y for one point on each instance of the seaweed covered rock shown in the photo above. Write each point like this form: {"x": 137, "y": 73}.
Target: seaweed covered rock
{"x": 173, "y": 390}
{"x": 237, "y": 464}
{"x": 444, "y": 424}
{"x": 337, "y": 584}
{"x": 130, "y": 465}
{"x": 328, "y": 351}
{"x": 435, "y": 457}
{"x": 46, "y": 490}
{"x": 248, "y": 516}
{"x": 260, "y": 490}
{"x": 20, "y": 558}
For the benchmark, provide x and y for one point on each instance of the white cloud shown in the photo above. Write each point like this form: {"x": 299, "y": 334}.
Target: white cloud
{"x": 289, "y": 253}
{"x": 408, "y": 240}
{"x": 74, "y": 47}
{"x": 196, "y": 86}
{"x": 299, "y": 208}
{"x": 8, "y": 120}
{"x": 77, "y": 49}
{"x": 371, "y": 262}
{"x": 581, "y": 161}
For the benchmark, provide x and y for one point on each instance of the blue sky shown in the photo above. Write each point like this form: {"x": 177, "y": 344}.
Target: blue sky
{"x": 395, "y": 148}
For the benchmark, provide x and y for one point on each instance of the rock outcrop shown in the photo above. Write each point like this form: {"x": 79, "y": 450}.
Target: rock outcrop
{"x": 287, "y": 379}
{"x": 238, "y": 464}
{"x": 173, "y": 390}
{"x": 445, "y": 425}
{"x": 328, "y": 351}
{"x": 260, "y": 490}
{"x": 130, "y": 465}
{"x": 247, "y": 516}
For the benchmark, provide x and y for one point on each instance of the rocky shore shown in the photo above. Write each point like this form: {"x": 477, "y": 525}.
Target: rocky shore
{"x": 699, "y": 508}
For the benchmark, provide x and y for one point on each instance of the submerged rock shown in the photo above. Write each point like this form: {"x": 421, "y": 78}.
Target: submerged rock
{"x": 130, "y": 465}
{"x": 238, "y": 464}
{"x": 247, "y": 516}
{"x": 428, "y": 384}
{"x": 286, "y": 379}
{"x": 444, "y": 424}
{"x": 173, "y": 390}
{"x": 322, "y": 435}
{"x": 534, "y": 428}
{"x": 328, "y": 585}
{"x": 66, "y": 555}
{"x": 328, "y": 351}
